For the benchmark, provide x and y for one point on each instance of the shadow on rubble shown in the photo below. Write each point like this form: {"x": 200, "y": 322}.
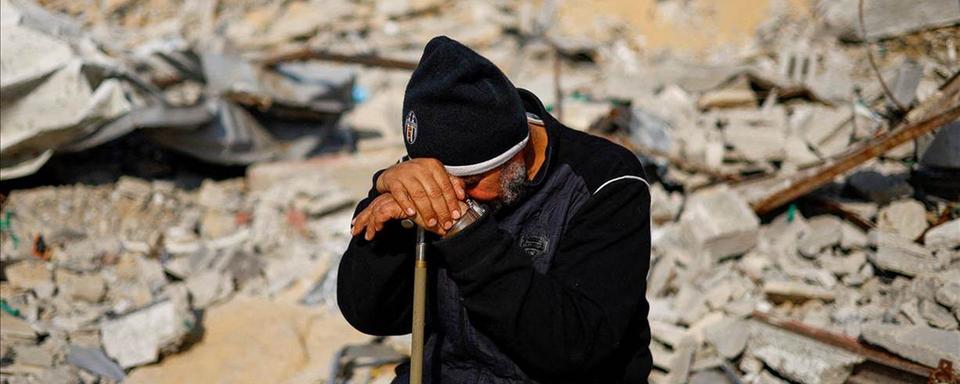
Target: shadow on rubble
{"x": 137, "y": 156}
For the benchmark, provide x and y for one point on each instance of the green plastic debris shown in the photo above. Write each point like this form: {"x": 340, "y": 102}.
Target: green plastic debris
{"x": 8, "y": 309}
{"x": 791, "y": 212}
{"x": 5, "y": 227}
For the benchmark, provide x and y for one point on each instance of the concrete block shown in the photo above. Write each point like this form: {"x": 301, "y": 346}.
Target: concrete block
{"x": 31, "y": 275}
{"x": 894, "y": 253}
{"x": 87, "y": 287}
{"x": 720, "y": 222}
{"x": 919, "y": 343}
{"x": 943, "y": 236}
{"x": 937, "y": 315}
{"x": 798, "y": 358}
{"x": 906, "y": 218}
{"x": 781, "y": 291}
{"x": 728, "y": 336}
{"x": 137, "y": 338}
{"x": 822, "y": 232}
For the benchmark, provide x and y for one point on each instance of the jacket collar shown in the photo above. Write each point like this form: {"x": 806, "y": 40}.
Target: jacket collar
{"x": 532, "y": 104}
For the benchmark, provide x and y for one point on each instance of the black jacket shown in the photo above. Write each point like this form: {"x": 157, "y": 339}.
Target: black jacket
{"x": 551, "y": 290}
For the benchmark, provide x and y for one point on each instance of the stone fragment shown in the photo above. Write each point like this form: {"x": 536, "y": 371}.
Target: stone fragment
{"x": 690, "y": 304}
{"x": 59, "y": 375}
{"x": 843, "y": 265}
{"x": 662, "y": 357}
{"x": 719, "y": 222}
{"x": 95, "y": 361}
{"x": 822, "y": 232}
{"x": 667, "y": 333}
{"x": 798, "y": 358}
{"x": 682, "y": 358}
{"x": 906, "y": 218}
{"x": 897, "y": 254}
{"x": 727, "y": 98}
{"x": 15, "y": 328}
{"x": 138, "y": 337}
{"x": 86, "y": 287}
{"x": 949, "y": 295}
{"x": 729, "y": 336}
{"x": 937, "y": 315}
{"x": 208, "y": 287}
{"x": 781, "y": 291}
{"x": 853, "y": 237}
{"x": 32, "y": 275}
{"x": 34, "y": 355}
{"x": 946, "y": 235}
{"x": 920, "y": 343}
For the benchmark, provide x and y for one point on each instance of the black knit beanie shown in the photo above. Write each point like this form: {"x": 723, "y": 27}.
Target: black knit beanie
{"x": 460, "y": 109}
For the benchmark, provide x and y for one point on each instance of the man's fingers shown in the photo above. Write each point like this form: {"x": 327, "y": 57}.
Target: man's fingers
{"x": 436, "y": 200}
{"x": 421, "y": 199}
{"x": 460, "y": 187}
{"x": 449, "y": 195}
{"x": 403, "y": 198}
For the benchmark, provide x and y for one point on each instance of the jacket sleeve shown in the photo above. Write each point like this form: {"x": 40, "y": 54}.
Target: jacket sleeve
{"x": 375, "y": 278}
{"x": 574, "y": 317}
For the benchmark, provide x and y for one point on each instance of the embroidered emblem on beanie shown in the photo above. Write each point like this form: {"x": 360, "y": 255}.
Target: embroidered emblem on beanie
{"x": 410, "y": 128}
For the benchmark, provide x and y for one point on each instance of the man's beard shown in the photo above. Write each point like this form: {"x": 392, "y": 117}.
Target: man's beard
{"x": 513, "y": 184}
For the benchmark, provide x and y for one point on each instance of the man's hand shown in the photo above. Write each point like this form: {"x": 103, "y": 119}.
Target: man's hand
{"x": 424, "y": 190}
{"x": 383, "y": 209}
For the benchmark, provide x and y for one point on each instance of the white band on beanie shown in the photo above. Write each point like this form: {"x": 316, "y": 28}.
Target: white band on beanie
{"x": 478, "y": 168}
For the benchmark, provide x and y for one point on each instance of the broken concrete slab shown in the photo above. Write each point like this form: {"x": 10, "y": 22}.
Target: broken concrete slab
{"x": 937, "y": 315}
{"x": 853, "y": 237}
{"x": 907, "y": 218}
{"x": 139, "y": 337}
{"x": 33, "y": 355}
{"x": 943, "y": 236}
{"x": 798, "y": 358}
{"x": 727, "y": 98}
{"x": 781, "y": 291}
{"x": 682, "y": 359}
{"x": 843, "y": 265}
{"x": 667, "y": 333}
{"x": 729, "y": 336}
{"x": 15, "y": 328}
{"x": 32, "y": 275}
{"x": 88, "y": 287}
{"x": 920, "y": 343}
{"x": 888, "y": 18}
{"x": 720, "y": 222}
{"x": 894, "y": 253}
{"x": 95, "y": 361}
{"x": 208, "y": 287}
{"x": 822, "y": 232}
{"x": 949, "y": 295}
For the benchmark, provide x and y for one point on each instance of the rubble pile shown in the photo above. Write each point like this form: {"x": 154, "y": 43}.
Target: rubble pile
{"x": 791, "y": 181}
{"x": 101, "y": 279}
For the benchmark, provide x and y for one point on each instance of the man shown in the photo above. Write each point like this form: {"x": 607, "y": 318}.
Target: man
{"x": 548, "y": 285}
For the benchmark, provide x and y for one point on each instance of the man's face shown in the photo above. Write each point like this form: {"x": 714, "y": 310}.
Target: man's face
{"x": 499, "y": 187}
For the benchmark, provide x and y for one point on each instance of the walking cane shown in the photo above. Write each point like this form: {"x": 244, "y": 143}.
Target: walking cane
{"x": 473, "y": 213}
{"x": 419, "y": 306}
